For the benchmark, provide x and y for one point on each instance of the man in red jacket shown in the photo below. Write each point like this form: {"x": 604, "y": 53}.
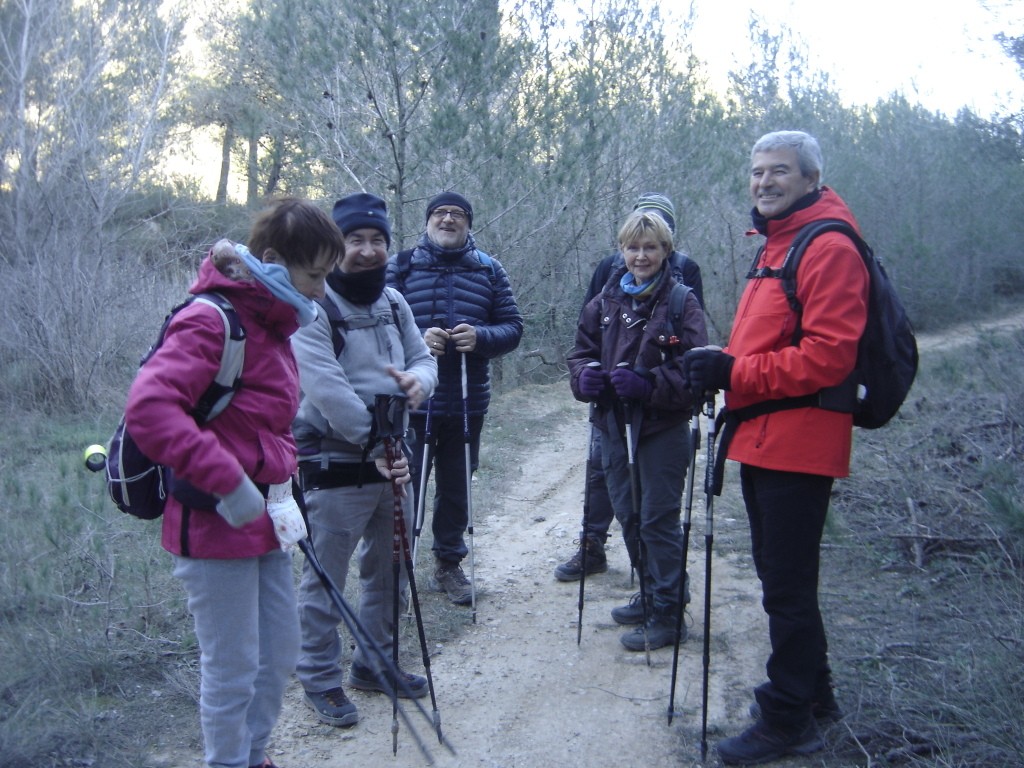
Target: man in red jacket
{"x": 789, "y": 458}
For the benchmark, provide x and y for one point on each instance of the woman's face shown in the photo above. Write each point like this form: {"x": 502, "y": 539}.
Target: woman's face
{"x": 644, "y": 258}
{"x": 365, "y": 248}
{"x": 307, "y": 280}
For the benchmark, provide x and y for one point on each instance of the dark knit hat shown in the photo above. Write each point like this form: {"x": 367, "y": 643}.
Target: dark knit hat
{"x": 451, "y": 198}
{"x": 660, "y": 205}
{"x": 361, "y": 210}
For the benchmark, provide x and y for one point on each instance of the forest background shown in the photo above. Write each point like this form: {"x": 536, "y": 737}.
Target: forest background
{"x": 551, "y": 133}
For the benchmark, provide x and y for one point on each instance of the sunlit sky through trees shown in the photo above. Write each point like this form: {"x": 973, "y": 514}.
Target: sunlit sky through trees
{"x": 941, "y": 55}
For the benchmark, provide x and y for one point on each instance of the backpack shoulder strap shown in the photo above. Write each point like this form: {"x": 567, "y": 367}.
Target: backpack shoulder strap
{"x": 676, "y": 303}
{"x": 336, "y": 321}
{"x": 229, "y": 376}
{"x": 799, "y": 245}
{"x": 487, "y": 261}
{"x": 403, "y": 263}
{"x": 396, "y": 311}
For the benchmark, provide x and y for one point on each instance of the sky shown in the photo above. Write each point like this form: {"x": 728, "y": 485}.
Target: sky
{"x": 939, "y": 54}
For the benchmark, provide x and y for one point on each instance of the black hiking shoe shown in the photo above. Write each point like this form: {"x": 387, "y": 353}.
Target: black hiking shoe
{"x": 597, "y": 561}
{"x": 632, "y": 612}
{"x": 450, "y": 579}
{"x": 825, "y": 712}
{"x": 762, "y": 743}
{"x": 333, "y": 707}
{"x": 364, "y": 679}
{"x": 661, "y": 631}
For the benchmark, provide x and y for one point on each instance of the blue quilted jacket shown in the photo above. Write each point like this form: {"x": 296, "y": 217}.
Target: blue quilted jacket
{"x": 445, "y": 288}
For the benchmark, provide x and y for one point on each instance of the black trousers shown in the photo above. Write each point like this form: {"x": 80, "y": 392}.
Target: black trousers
{"x": 450, "y": 516}
{"x": 787, "y": 516}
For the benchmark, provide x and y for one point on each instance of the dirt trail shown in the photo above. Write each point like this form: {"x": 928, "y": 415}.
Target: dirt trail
{"x": 514, "y": 690}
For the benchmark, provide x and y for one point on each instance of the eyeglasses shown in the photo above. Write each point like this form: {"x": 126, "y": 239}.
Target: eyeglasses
{"x": 440, "y": 213}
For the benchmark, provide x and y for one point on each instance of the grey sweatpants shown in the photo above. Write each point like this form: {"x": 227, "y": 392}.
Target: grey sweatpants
{"x": 339, "y": 520}
{"x": 248, "y": 631}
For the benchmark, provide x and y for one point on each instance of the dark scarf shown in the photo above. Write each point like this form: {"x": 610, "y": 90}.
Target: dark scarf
{"x": 361, "y": 288}
{"x": 761, "y": 222}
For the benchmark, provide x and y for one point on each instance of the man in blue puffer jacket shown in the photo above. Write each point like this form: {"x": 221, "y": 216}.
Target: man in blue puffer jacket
{"x": 464, "y": 305}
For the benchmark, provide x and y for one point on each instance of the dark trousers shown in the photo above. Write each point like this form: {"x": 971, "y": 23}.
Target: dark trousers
{"x": 450, "y": 515}
{"x": 787, "y": 515}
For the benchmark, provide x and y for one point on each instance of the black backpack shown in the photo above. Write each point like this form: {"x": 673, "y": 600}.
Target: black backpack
{"x": 137, "y": 485}
{"x": 886, "y": 355}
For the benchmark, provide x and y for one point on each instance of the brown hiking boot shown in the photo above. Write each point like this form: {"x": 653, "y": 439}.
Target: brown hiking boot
{"x": 597, "y": 561}
{"x": 450, "y": 579}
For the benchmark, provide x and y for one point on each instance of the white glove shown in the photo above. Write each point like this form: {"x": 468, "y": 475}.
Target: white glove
{"x": 289, "y": 527}
{"x": 242, "y": 505}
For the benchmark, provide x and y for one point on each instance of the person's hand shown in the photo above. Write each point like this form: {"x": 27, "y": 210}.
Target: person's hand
{"x": 592, "y": 382}
{"x": 436, "y": 340}
{"x": 630, "y": 385}
{"x": 289, "y": 527}
{"x": 242, "y": 505}
{"x": 463, "y": 336}
{"x": 707, "y": 369}
{"x": 410, "y": 384}
{"x": 398, "y": 472}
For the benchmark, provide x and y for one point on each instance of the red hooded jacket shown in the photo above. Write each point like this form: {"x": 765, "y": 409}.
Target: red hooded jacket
{"x": 252, "y": 435}
{"x": 832, "y": 287}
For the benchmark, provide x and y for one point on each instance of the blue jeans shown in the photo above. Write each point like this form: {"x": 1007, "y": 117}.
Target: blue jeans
{"x": 450, "y": 516}
{"x": 787, "y": 516}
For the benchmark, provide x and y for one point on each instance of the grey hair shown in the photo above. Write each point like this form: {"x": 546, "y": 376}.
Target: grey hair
{"x": 808, "y": 153}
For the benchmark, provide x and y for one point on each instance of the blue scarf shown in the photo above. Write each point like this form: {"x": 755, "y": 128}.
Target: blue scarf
{"x": 640, "y": 291}
{"x": 275, "y": 278}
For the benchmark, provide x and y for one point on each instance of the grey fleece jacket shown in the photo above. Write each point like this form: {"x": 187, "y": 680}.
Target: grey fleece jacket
{"x": 334, "y": 417}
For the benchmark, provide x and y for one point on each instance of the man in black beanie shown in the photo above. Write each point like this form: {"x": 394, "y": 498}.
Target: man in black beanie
{"x": 463, "y": 303}
{"x": 363, "y": 343}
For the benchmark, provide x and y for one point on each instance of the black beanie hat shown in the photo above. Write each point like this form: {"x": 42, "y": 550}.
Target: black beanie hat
{"x": 451, "y": 198}
{"x": 361, "y": 210}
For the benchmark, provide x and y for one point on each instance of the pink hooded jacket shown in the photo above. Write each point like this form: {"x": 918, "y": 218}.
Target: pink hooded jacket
{"x": 252, "y": 435}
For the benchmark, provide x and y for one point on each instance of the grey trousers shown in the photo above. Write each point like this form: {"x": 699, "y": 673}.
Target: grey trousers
{"x": 661, "y": 460}
{"x": 248, "y": 632}
{"x": 340, "y": 520}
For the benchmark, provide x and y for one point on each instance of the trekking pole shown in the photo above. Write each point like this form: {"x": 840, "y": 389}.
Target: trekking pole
{"x": 632, "y": 431}
{"x": 389, "y": 413}
{"x": 421, "y": 493}
{"x": 709, "y": 538}
{"x": 586, "y": 517}
{"x": 469, "y": 481}
{"x": 690, "y": 478}
{"x": 369, "y": 645}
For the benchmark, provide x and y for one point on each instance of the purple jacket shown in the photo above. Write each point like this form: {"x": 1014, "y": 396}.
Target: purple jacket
{"x": 252, "y": 435}
{"x": 611, "y": 331}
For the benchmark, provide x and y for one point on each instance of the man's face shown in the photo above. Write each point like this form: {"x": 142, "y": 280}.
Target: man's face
{"x": 448, "y": 226}
{"x": 365, "y": 248}
{"x": 776, "y": 182}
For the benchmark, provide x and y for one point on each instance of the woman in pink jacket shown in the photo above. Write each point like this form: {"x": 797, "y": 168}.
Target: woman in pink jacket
{"x": 229, "y": 554}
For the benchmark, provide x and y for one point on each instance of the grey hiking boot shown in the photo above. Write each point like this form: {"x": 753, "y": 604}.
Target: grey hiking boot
{"x": 597, "y": 561}
{"x": 632, "y": 612}
{"x": 824, "y": 712}
{"x": 661, "y": 631}
{"x": 762, "y": 743}
{"x": 410, "y": 686}
{"x": 333, "y": 707}
{"x": 450, "y": 579}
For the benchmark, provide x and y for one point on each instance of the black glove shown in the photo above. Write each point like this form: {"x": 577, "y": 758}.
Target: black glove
{"x": 592, "y": 382}
{"x": 707, "y": 370}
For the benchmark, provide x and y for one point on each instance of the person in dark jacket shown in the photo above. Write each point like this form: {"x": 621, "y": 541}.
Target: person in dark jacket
{"x": 463, "y": 303}
{"x": 625, "y": 361}
{"x": 595, "y": 531}
{"x": 789, "y": 458}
